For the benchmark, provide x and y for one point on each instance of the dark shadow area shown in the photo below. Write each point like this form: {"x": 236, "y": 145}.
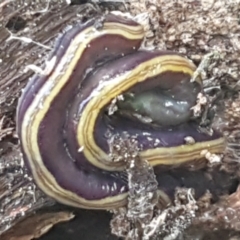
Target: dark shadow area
{"x": 87, "y": 225}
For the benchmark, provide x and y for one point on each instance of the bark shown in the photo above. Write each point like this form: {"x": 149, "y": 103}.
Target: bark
{"x": 28, "y": 30}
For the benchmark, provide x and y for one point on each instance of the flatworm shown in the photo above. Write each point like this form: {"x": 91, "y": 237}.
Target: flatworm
{"x": 61, "y": 115}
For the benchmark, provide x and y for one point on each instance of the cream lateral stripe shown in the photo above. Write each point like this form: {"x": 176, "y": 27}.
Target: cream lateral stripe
{"x": 183, "y": 152}
{"x": 118, "y": 85}
{"x": 217, "y": 143}
{"x": 69, "y": 198}
{"x": 64, "y": 196}
{"x": 40, "y": 105}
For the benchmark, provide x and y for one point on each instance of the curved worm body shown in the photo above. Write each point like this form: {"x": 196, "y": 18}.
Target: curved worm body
{"x": 62, "y": 121}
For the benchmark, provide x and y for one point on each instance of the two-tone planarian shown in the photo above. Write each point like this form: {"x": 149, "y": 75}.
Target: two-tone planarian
{"x": 63, "y": 117}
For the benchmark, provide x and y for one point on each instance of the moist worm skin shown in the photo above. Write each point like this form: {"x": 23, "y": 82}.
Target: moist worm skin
{"x": 60, "y": 115}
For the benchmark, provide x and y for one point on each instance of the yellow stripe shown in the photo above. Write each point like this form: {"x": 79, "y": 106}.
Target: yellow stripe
{"x": 56, "y": 82}
{"x": 117, "y": 86}
{"x": 182, "y": 154}
{"x": 41, "y": 104}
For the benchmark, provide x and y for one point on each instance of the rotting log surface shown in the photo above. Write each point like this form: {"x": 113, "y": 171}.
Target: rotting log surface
{"x": 185, "y": 26}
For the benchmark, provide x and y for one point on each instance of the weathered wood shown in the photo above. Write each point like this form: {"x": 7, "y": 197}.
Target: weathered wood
{"x": 191, "y": 27}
